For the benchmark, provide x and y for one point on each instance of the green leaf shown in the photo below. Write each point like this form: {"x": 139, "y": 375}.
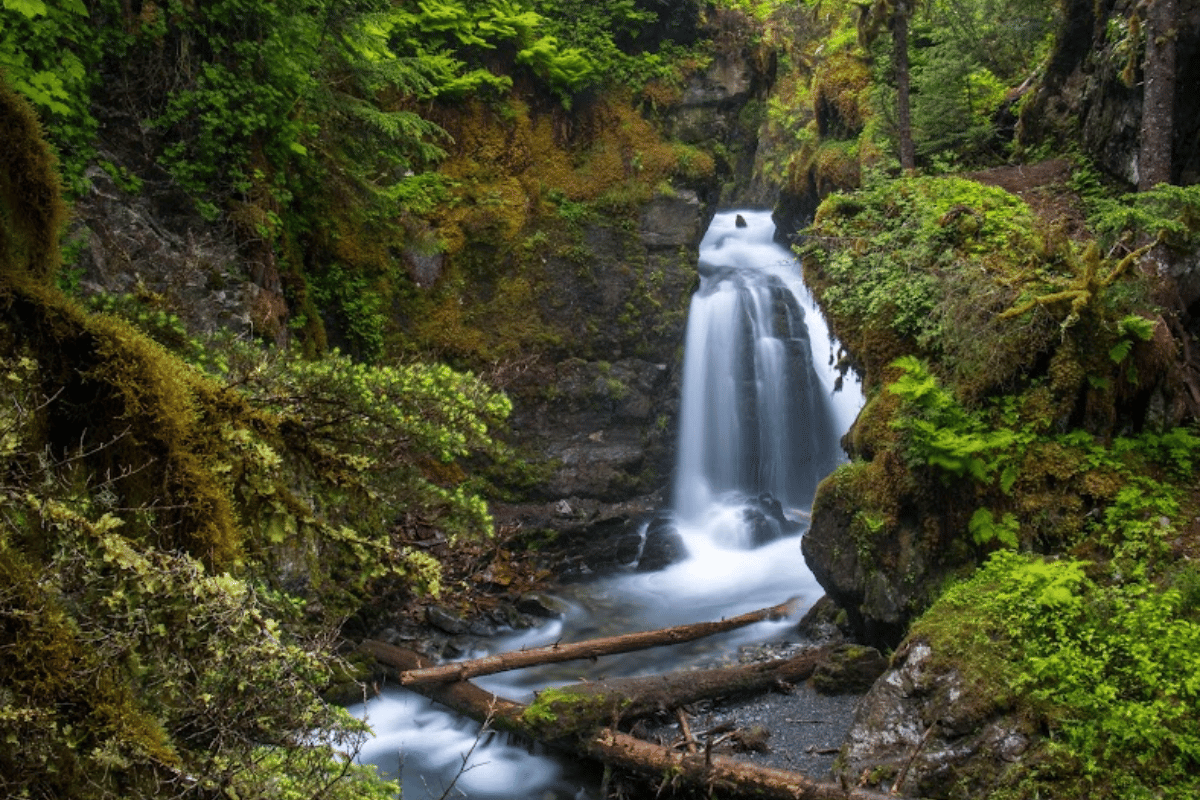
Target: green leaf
{"x": 28, "y": 8}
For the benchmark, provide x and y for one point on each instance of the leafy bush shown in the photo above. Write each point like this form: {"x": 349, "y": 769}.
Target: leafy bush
{"x": 1108, "y": 668}
{"x": 136, "y": 672}
{"x": 47, "y": 53}
{"x": 378, "y": 440}
{"x": 1166, "y": 212}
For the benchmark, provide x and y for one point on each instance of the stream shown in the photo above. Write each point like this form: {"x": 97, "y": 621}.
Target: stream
{"x": 762, "y": 411}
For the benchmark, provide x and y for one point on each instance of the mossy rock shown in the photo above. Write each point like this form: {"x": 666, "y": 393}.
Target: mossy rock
{"x": 849, "y": 669}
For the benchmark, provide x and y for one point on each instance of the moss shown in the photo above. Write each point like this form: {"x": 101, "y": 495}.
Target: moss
{"x": 558, "y": 713}
{"x": 840, "y": 95}
{"x": 32, "y": 211}
{"x": 873, "y": 430}
{"x": 523, "y": 182}
{"x": 132, "y": 410}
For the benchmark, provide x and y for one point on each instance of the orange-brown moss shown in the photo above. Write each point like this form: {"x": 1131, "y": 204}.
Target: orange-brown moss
{"x": 840, "y": 95}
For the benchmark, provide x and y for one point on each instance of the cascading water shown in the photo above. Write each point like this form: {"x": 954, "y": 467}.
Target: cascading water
{"x": 754, "y": 418}
{"x": 759, "y": 425}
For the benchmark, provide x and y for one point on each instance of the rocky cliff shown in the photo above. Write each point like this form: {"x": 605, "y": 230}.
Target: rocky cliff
{"x": 563, "y": 273}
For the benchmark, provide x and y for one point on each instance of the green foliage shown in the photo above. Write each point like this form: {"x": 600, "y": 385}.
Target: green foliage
{"x": 242, "y": 99}
{"x": 570, "y": 210}
{"x": 940, "y": 432}
{"x": 887, "y": 256}
{"x": 381, "y": 437}
{"x": 606, "y": 33}
{"x": 1131, "y": 329}
{"x": 1167, "y": 213}
{"x": 47, "y": 51}
{"x": 985, "y": 528}
{"x": 1146, "y": 474}
{"x": 966, "y": 55}
{"x": 1107, "y": 668}
{"x": 161, "y": 325}
{"x": 448, "y": 37}
{"x": 136, "y": 672}
{"x": 358, "y": 306}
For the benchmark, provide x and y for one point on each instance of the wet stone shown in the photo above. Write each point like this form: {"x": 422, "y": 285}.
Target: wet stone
{"x": 445, "y": 620}
{"x": 457, "y": 647}
{"x": 663, "y": 546}
{"x": 481, "y": 627}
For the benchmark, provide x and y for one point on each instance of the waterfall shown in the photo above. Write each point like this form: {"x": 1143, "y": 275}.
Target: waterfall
{"x": 755, "y": 418}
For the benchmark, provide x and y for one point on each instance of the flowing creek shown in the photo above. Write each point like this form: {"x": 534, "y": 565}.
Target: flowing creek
{"x": 762, "y": 411}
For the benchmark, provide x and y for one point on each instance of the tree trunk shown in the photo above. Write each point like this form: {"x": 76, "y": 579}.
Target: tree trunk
{"x": 552, "y": 654}
{"x": 704, "y": 770}
{"x": 1158, "y": 95}
{"x": 908, "y": 157}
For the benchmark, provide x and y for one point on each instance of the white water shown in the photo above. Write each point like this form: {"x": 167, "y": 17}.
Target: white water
{"x": 759, "y": 414}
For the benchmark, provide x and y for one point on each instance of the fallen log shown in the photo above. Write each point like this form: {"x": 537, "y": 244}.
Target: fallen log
{"x": 734, "y": 778}
{"x": 555, "y": 653}
{"x": 465, "y": 698}
{"x": 580, "y": 707}
{"x": 585, "y": 706}
{"x": 726, "y": 776}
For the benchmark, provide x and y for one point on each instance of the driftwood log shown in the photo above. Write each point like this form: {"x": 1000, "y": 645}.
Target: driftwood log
{"x": 555, "y": 653}
{"x": 583, "y": 719}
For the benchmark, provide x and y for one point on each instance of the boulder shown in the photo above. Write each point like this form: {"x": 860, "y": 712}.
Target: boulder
{"x": 446, "y": 620}
{"x": 766, "y": 522}
{"x": 540, "y": 604}
{"x": 921, "y": 721}
{"x": 662, "y": 545}
{"x": 849, "y": 669}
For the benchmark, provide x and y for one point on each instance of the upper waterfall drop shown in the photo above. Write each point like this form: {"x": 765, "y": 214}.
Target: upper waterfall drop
{"x": 756, "y": 416}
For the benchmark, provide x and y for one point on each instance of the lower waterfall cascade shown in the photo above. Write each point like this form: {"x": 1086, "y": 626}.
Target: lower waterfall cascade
{"x": 763, "y": 407}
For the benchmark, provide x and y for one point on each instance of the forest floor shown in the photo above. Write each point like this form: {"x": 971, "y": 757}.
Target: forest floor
{"x": 1045, "y": 187}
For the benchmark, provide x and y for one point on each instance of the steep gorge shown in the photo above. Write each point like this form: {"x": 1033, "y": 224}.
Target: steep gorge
{"x": 560, "y": 269}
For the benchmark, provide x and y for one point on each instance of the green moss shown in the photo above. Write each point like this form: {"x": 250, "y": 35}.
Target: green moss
{"x": 31, "y": 207}
{"x": 558, "y": 713}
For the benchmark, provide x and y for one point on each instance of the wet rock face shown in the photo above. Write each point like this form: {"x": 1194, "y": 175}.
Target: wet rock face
{"x": 662, "y": 545}
{"x": 151, "y": 244}
{"x": 673, "y": 220}
{"x": 876, "y": 608}
{"x": 766, "y": 521}
{"x": 883, "y": 574}
{"x": 603, "y": 412}
{"x": 644, "y": 540}
{"x": 922, "y": 726}
{"x": 605, "y": 427}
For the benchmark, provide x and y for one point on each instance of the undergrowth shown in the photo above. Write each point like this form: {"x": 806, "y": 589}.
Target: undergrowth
{"x": 1105, "y": 662}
